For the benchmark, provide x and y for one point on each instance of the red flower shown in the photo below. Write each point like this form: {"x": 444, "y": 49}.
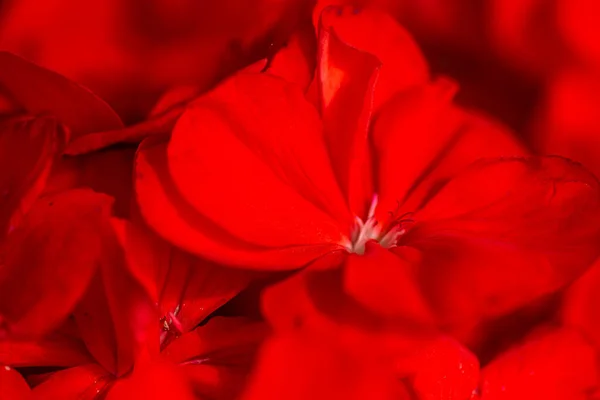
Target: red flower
{"x": 35, "y": 129}
{"x": 211, "y": 361}
{"x": 256, "y": 176}
{"x": 114, "y": 279}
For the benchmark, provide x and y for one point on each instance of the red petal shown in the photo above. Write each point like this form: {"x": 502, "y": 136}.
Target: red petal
{"x": 411, "y": 133}
{"x": 41, "y": 91}
{"x": 556, "y": 365}
{"x": 446, "y": 370}
{"x": 295, "y": 62}
{"x": 152, "y": 380}
{"x": 161, "y": 120}
{"x": 107, "y": 172}
{"x": 506, "y": 232}
{"x": 581, "y": 305}
{"x": 12, "y": 385}
{"x": 295, "y": 367}
{"x": 217, "y": 357}
{"x": 346, "y": 82}
{"x": 289, "y": 304}
{"x": 314, "y": 301}
{"x": 378, "y": 34}
{"x": 476, "y": 138}
{"x": 578, "y": 26}
{"x": 221, "y": 339}
{"x": 56, "y": 350}
{"x": 195, "y": 288}
{"x": 39, "y": 288}
{"x": 83, "y": 382}
{"x": 568, "y": 124}
{"x": 274, "y": 162}
{"x": 173, "y": 218}
{"x": 117, "y": 311}
{"x": 422, "y": 140}
{"x": 386, "y": 284}
{"x": 160, "y": 124}
{"x": 28, "y": 147}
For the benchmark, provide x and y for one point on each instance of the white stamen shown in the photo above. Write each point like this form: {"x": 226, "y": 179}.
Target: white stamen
{"x": 370, "y": 229}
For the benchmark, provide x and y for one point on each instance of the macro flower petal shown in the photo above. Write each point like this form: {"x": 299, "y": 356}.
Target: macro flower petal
{"x": 303, "y": 366}
{"x": 386, "y": 284}
{"x": 346, "y": 80}
{"x": 84, "y": 381}
{"x": 160, "y": 120}
{"x": 421, "y": 140}
{"x": 412, "y": 131}
{"x": 194, "y": 288}
{"x": 373, "y": 32}
{"x": 275, "y": 161}
{"x": 108, "y": 172}
{"x": 295, "y": 61}
{"x": 217, "y": 357}
{"x": 28, "y": 148}
{"x": 39, "y": 288}
{"x": 173, "y": 218}
{"x": 13, "y": 385}
{"x": 54, "y": 350}
{"x": 39, "y": 91}
{"x": 581, "y": 304}
{"x": 151, "y": 379}
{"x": 116, "y": 312}
{"x": 446, "y": 370}
{"x": 493, "y": 238}
{"x": 555, "y": 365}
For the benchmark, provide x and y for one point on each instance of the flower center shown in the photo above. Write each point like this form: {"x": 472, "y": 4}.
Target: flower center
{"x": 371, "y": 229}
{"x": 170, "y": 326}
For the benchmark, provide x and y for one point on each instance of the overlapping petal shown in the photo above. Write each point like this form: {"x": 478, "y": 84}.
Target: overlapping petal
{"x": 117, "y": 311}
{"x": 28, "y": 149}
{"x": 301, "y": 366}
{"x": 243, "y": 200}
{"x": 493, "y": 239}
{"x": 71, "y": 104}
{"x": 39, "y": 288}
{"x": 536, "y": 368}
{"x": 13, "y": 385}
{"x": 84, "y": 381}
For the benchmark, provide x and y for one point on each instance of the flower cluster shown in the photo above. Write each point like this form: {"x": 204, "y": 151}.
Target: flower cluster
{"x": 291, "y": 201}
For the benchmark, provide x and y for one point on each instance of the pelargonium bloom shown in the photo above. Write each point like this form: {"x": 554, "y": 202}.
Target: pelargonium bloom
{"x": 372, "y": 170}
{"x": 94, "y": 262}
{"x": 212, "y": 361}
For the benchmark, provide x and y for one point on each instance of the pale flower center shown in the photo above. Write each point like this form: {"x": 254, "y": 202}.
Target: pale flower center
{"x": 371, "y": 229}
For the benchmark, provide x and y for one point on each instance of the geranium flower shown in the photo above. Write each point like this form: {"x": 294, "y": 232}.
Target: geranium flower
{"x": 373, "y": 177}
{"x": 43, "y": 112}
{"x": 114, "y": 279}
{"x": 212, "y": 361}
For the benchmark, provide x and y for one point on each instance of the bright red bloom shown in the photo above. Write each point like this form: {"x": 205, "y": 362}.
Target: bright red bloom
{"x": 43, "y": 111}
{"x": 211, "y": 361}
{"x": 378, "y": 173}
{"x": 121, "y": 286}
